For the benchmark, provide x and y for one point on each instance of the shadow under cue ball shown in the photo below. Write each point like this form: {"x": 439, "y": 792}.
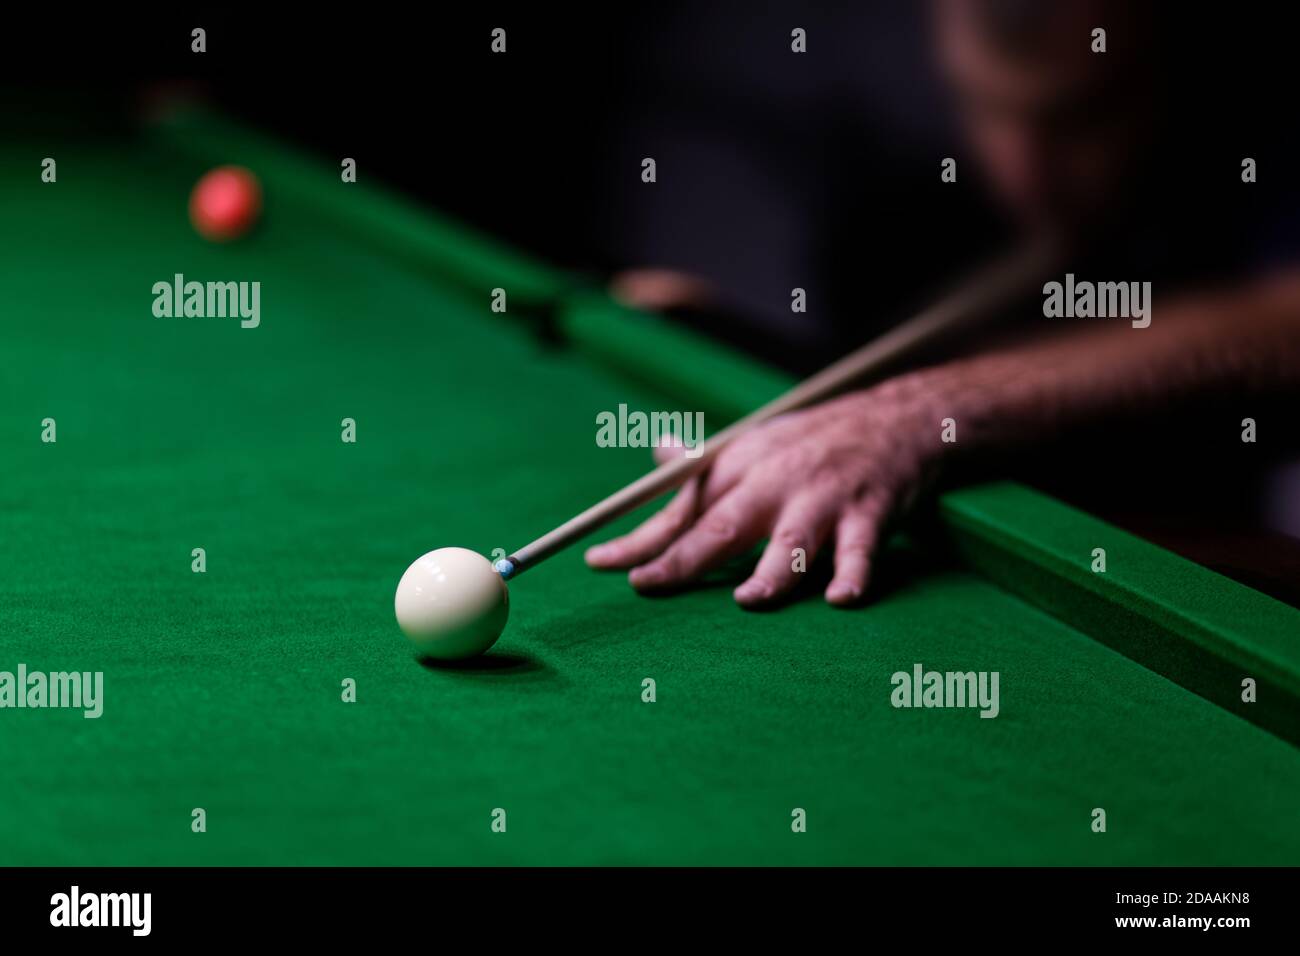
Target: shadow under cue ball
{"x": 452, "y": 604}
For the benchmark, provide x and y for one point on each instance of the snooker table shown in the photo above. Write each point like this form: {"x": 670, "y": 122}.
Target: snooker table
{"x": 222, "y": 689}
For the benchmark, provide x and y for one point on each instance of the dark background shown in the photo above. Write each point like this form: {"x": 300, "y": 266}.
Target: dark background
{"x": 775, "y": 170}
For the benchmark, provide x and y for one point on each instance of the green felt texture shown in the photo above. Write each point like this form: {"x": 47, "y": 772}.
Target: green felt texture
{"x": 223, "y": 689}
{"x": 1182, "y": 620}
{"x": 647, "y": 349}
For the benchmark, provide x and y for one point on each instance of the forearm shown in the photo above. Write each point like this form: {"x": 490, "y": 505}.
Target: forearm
{"x": 1246, "y": 344}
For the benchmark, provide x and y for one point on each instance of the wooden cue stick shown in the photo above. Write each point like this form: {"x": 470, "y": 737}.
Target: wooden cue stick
{"x": 990, "y": 288}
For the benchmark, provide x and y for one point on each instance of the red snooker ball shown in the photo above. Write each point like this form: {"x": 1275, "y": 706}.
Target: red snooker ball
{"x": 225, "y": 203}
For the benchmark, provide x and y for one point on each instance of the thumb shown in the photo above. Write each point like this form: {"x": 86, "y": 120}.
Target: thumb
{"x": 670, "y": 448}
{"x": 666, "y": 453}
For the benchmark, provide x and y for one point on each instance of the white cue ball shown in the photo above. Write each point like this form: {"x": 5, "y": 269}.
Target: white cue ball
{"x": 452, "y": 604}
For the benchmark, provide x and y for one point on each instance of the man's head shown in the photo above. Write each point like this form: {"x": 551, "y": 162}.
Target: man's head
{"x": 1056, "y": 127}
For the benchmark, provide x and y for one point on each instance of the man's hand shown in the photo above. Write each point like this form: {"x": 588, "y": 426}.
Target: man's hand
{"x": 841, "y": 470}
{"x": 661, "y": 289}
{"x": 835, "y": 472}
